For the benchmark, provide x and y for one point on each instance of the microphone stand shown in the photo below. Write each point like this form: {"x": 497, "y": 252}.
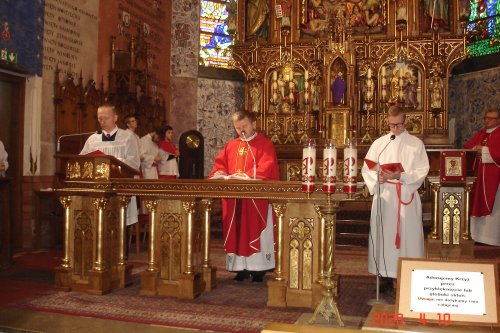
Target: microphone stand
{"x": 253, "y": 156}
{"x": 379, "y": 219}
{"x": 58, "y": 147}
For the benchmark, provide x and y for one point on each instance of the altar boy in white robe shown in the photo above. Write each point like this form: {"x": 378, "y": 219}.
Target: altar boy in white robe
{"x": 396, "y": 218}
{"x": 115, "y": 142}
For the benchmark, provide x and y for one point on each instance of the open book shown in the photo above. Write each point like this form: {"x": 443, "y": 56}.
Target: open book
{"x": 240, "y": 176}
{"x": 392, "y": 167}
{"x": 95, "y": 153}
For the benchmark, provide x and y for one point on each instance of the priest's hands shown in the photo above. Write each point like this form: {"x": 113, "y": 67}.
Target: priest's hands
{"x": 388, "y": 175}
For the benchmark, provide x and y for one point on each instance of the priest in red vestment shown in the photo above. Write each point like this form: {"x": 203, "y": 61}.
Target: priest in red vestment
{"x": 485, "y": 220}
{"x": 248, "y": 224}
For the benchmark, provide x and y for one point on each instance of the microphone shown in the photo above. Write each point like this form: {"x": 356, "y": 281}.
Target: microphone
{"x": 253, "y": 156}
{"x": 75, "y": 134}
{"x": 391, "y": 139}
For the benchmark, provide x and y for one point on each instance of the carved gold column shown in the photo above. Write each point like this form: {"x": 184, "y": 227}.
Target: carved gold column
{"x": 279, "y": 209}
{"x": 151, "y": 205}
{"x": 328, "y": 305}
{"x": 124, "y": 201}
{"x": 277, "y": 287}
{"x": 150, "y": 277}
{"x": 100, "y": 205}
{"x": 124, "y": 270}
{"x": 207, "y": 205}
{"x": 466, "y": 234}
{"x": 63, "y": 280}
{"x": 189, "y": 209}
{"x": 190, "y": 282}
{"x": 209, "y": 271}
{"x": 66, "y": 203}
{"x": 435, "y": 211}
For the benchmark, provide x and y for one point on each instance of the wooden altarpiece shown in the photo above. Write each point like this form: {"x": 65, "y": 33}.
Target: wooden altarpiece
{"x": 396, "y": 61}
{"x": 132, "y": 89}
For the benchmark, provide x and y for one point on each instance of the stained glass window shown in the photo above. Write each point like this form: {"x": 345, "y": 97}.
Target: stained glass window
{"x": 216, "y": 17}
{"x": 483, "y": 30}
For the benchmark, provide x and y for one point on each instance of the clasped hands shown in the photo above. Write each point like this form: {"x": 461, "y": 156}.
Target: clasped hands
{"x": 386, "y": 175}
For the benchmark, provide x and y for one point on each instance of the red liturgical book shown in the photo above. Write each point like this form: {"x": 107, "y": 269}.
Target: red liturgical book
{"x": 392, "y": 167}
{"x": 96, "y": 153}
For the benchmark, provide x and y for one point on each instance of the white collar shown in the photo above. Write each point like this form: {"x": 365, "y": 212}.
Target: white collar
{"x": 249, "y": 138}
{"x": 489, "y": 130}
{"x": 112, "y": 132}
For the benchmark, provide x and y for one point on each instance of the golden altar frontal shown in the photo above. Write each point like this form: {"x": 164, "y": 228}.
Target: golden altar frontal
{"x": 179, "y": 262}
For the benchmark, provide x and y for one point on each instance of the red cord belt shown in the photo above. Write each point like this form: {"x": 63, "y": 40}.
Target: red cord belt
{"x": 400, "y": 202}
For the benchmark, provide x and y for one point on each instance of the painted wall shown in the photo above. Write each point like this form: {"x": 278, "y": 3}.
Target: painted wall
{"x": 469, "y": 96}
{"x": 21, "y": 26}
{"x": 69, "y": 42}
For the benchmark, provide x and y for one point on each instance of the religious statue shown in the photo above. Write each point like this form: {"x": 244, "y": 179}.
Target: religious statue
{"x": 394, "y": 86}
{"x": 436, "y": 91}
{"x": 401, "y": 10}
{"x": 281, "y": 87}
{"x": 255, "y": 97}
{"x": 257, "y": 18}
{"x": 286, "y": 6}
{"x": 410, "y": 89}
{"x": 339, "y": 88}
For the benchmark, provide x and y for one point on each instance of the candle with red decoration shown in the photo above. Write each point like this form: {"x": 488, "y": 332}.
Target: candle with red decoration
{"x": 309, "y": 166}
{"x": 350, "y": 165}
{"x": 329, "y": 166}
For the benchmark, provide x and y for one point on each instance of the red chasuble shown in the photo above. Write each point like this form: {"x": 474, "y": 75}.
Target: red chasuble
{"x": 488, "y": 174}
{"x": 243, "y": 220}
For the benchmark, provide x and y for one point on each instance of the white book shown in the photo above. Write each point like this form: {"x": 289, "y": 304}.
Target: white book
{"x": 486, "y": 156}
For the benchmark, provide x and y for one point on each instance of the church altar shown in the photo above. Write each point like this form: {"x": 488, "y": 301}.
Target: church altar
{"x": 179, "y": 263}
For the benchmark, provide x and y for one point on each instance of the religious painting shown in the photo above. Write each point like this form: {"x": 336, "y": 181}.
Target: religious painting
{"x": 414, "y": 124}
{"x": 366, "y": 14}
{"x": 435, "y": 13}
{"x": 452, "y": 166}
{"x": 257, "y": 19}
{"x": 288, "y": 89}
{"x": 405, "y": 85}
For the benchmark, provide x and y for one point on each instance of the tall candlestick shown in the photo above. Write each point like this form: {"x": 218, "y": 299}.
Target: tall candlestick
{"x": 309, "y": 166}
{"x": 329, "y": 167}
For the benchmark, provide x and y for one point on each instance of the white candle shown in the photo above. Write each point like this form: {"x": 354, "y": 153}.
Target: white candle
{"x": 329, "y": 167}
{"x": 275, "y": 75}
{"x": 369, "y": 73}
{"x": 350, "y": 169}
{"x": 383, "y": 71}
{"x": 308, "y": 166}
{"x": 306, "y": 75}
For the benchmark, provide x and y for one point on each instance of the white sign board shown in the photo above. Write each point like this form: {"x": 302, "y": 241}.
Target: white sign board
{"x": 460, "y": 292}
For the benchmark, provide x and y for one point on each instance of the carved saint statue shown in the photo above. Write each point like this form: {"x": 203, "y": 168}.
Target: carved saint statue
{"x": 436, "y": 91}
{"x": 339, "y": 88}
{"x": 255, "y": 97}
{"x": 256, "y": 18}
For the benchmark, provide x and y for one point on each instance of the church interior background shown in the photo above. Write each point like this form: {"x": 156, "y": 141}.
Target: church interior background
{"x": 316, "y": 69}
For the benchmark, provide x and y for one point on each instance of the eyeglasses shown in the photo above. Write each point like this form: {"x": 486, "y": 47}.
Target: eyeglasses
{"x": 400, "y": 125}
{"x": 490, "y": 118}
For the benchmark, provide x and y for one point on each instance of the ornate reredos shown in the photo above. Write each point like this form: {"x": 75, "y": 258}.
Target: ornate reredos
{"x": 324, "y": 69}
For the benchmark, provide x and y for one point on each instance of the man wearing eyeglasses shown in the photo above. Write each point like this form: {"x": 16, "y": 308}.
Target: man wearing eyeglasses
{"x": 485, "y": 220}
{"x": 396, "y": 218}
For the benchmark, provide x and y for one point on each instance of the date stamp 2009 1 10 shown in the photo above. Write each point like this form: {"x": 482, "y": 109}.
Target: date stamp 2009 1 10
{"x": 397, "y": 319}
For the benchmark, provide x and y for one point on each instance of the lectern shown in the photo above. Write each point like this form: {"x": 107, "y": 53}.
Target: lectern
{"x": 451, "y": 179}
{"x": 94, "y": 225}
